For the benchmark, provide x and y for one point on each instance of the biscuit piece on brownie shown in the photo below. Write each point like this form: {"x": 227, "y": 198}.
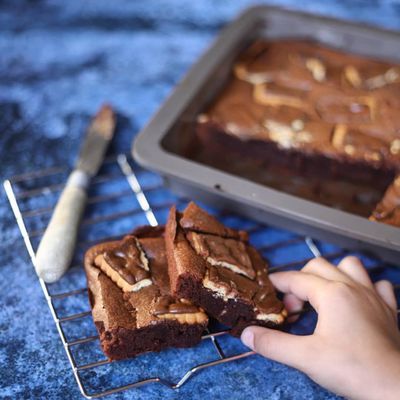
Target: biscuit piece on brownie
{"x": 215, "y": 268}
{"x": 388, "y": 209}
{"x": 131, "y": 301}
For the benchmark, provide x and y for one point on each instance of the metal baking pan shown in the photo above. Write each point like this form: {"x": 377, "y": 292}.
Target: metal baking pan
{"x": 161, "y": 143}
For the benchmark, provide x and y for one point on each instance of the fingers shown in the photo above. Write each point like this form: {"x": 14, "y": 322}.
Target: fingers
{"x": 323, "y": 268}
{"x": 349, "y": 269}
{"x": 293, "y": 305}
{"x": 283, "y": 347}
{"x": 306, "y": 287}
{"x": 386, "y": 291}
{"x": 353, "y": 268}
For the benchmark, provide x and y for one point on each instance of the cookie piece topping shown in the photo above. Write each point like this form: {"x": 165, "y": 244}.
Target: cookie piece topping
{"x": 388, "y": 209}
{"x": 223, "y": 252}
{"x": 127, "y": 266}
{"x": 181, "y": 310}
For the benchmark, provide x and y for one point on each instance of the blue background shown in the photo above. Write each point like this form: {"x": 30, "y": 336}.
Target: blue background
{"x": 58, "y": 62}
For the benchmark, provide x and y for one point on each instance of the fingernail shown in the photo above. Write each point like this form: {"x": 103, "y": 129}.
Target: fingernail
{"x": 247, "y": 338}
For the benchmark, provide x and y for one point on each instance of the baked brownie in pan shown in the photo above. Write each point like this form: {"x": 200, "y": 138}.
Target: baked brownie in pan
{"x": 316, "y": 110}
{"x": 131, "y": 301}
{"x": 215, "y": 268}
{"x": 354, "y": 197}
{"x": 162, "y": 144}
{"x": 388, "y": 209}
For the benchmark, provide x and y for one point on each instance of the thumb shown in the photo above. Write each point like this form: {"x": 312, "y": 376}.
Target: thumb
{"x": 279, "y": 346}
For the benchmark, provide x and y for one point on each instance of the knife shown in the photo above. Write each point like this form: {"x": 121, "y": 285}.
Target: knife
{"x": 56, "y": 249}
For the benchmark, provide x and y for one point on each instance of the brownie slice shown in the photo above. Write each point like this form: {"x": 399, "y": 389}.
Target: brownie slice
{"x": 215, "y": 268}
{"x": 130, "y": 296}
{"x": 388, "y": 209}
{"x": 318, "y": 111}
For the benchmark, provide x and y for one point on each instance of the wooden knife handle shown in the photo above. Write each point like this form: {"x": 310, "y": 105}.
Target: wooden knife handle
{"x": 57, "y": 246}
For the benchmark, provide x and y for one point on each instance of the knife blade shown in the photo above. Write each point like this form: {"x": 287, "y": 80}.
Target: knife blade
{"x": 56, "y": 249}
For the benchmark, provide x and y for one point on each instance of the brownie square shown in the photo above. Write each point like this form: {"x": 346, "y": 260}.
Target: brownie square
{"x": 130, "y": 296}
{"x": 215, "y": 268}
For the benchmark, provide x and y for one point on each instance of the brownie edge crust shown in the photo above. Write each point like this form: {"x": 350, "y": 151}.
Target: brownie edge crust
{"x": 129, "y": 293}
{"x": 215, "y": 268}
{"x": 388, "y": 209}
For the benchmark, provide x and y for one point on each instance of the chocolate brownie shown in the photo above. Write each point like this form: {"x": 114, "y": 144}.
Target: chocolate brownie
{"x": 318, "y": 111}
{"x": 356, "y": 198}
{"x": 388, "y": 209}
{"x": 215, "y": 268}
{"x": 131, "y": 301}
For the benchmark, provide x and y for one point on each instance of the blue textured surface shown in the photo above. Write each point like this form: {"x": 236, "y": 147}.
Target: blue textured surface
{"x": 59, "y": 61}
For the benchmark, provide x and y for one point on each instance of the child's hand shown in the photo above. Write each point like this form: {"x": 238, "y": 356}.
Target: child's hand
{"x": 355, "y": 348}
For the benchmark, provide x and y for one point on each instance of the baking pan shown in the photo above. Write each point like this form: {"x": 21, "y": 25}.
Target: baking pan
{"x": 161, "y": 144}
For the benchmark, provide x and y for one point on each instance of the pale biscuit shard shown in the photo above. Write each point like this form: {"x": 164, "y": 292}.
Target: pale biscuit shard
{"x": 297, "y": 125}
{"x": 338, "y": 140}
{"x": 304, "y": 137}
{"x": 143, "y": 259}
{"x": 263, "y": 97}
{"x": 272, "y": 317}
{"x": 339, "y": 135}
{"x": 353, "y": 76}
{"x": 280, "y": 133}
{"x": 317, "y": 69}
{"x": 218, "y": 290}
{"x": 254, "y": 78}
{"x": 116, "y": 277}
{"x": 392, "y": 75}
{"x": 372, "y": 105}
{"x": 395, "y": 147}
{"x": 373, "y": 156}
{"x": 224, "y": 264}
{"x": 349, "y": 149}
{"x": 285, "y": 135}
{"x": 186, "y": 318}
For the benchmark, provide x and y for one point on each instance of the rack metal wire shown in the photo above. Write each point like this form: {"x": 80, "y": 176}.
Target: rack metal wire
{"x": 40, "y": 188}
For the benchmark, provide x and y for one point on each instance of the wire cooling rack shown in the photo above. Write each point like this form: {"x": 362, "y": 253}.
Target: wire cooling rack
{"x": 121, "y": 197}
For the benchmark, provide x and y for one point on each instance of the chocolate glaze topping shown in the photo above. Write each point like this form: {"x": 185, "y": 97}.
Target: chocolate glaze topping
{"x": 222, "y": 251}
{"x": 129, "y": 260}
{"x": 167, "y": 305}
